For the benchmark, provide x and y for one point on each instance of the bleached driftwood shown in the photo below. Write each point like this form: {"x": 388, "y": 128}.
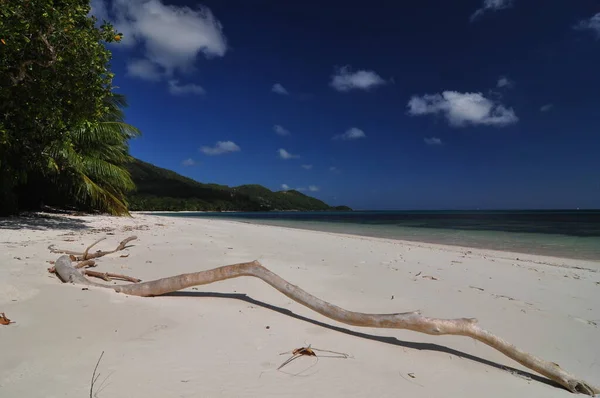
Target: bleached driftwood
{"x": 408, "y": 320}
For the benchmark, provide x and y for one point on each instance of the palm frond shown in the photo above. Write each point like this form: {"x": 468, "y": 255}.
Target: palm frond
{"x": 89, "y": 164}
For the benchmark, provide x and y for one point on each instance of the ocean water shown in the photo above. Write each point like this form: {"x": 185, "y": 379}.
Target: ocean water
{"x": 570, "y": 234}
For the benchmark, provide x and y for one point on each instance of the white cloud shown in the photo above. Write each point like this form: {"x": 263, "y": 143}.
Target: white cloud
{"x": 171, "y": 37}
{"x": 281, "y": 130}
{"x": 307, "y": 166}
{"x": 279, "y": 89}
{"x": 301, "y": 189}
{"x": 285, "y": 187}
{"x": 504, "y": 81}
{"x": 462, "y": 109}
{"x": 351, "y": 134}
{"x": 433, "y": 141}
{"x": 593, "y": 24}
{"x": 334, "y": 169}
{"x": 143, "y": 69}
{"x": 283, "y": 154}
{"x": 176, "y": 89}
{"x": 491, "y": 5}
{"x": 546, "y": 108}
{"x": 345, "y": 79}
{"x": 220, "y": 148}
{"x": 189, "y": 162}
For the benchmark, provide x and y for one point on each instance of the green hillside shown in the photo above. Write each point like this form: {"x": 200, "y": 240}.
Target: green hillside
{"x": 164, "y": 190}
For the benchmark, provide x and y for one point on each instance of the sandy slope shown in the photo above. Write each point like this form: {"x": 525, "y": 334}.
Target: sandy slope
{"x": 224, "y": 340}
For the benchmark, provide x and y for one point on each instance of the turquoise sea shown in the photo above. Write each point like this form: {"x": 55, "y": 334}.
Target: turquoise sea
{"x": 561, "y": 233}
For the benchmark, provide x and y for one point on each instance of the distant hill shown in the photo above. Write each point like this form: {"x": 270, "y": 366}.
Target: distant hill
{"x": 164, "y": 190}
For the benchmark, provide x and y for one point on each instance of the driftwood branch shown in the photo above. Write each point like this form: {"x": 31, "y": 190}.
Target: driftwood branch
{"x": 408, "y": 320}
{"x": 85, "y": 264}
{"x": 108, "y": 276}
{"x": 82, "y": 256}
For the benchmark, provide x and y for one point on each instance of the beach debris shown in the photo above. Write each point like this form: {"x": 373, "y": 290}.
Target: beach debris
{"x": 414, "y": 321}
{"x": 109, "y": 276}
{"x": 82, "y": 264}
{"x": 433, "y": 278}
{"x": 129, "y": 228}
{"x": 95, "y": 378}
{"x": 419, "y": 274}
{"x": 478, "y": 288}
{"x": 78, "y": 256}
{"x": 85, "y": 261}
{"x": 4, "y": 320}
{"x": 412, "y": 376}
{"x": 124, "y": 255}
{"x": 310, "y": 352}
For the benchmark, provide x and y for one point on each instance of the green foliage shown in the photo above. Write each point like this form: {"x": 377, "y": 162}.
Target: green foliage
{"x": 56, "y": 103}
{"x": 164, "y": 190}
{"x": 282, "y": 200}
{"x": 89, "y": 164}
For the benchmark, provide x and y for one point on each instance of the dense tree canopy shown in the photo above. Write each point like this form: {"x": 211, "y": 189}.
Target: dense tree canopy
{"x": 55, "y": 98}
{"x": 162, "y": 189}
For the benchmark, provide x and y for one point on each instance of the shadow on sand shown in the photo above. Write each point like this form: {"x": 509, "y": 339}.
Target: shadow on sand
{"x": 42, "y": 222}
{"x": 382, "y": 339}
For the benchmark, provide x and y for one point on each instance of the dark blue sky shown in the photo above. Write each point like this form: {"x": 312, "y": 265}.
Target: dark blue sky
{"x": 436, "y": 105}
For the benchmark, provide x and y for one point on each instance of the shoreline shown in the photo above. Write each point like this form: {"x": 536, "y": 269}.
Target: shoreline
{"x": 551, "y": 258}
{"x": 555, "y": 261}
{"x": 224, "y": 339}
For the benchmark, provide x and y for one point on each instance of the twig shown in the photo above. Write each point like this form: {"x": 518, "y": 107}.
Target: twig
{"x": 94, "y": 378}
{"x": 108, "y": 275}
{"x": 85, "y": 263}
{"x": 85, "y": 253}
{"x": 95, "y": 274}
{"x": 310, "y": 352}
{"x": 79, "y": 256}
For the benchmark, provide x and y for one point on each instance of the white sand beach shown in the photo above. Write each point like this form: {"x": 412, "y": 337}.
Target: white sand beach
{"x": 225, "y": 339}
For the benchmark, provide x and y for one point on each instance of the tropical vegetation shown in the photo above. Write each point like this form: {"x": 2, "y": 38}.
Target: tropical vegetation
{"x": 63, "y": 135}
{"x": 164, "y": 190}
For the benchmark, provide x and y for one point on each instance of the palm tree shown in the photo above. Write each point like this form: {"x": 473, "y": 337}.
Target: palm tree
{"x": 89, "y": 165}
